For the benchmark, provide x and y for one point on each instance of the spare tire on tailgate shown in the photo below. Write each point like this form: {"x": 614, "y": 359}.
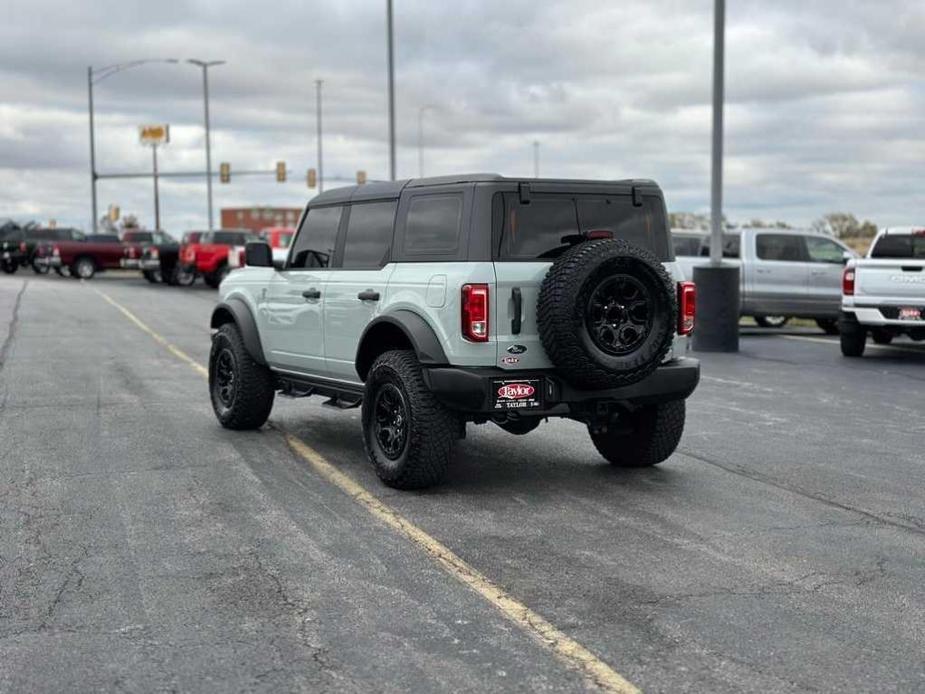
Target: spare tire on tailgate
{"x": 607, "y": 313}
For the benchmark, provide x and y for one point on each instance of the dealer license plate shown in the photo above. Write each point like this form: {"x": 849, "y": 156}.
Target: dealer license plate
{"x": 517, "y": 393}
{"x": 910, "y": 313}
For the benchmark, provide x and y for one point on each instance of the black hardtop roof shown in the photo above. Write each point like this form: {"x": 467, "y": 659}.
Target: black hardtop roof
{"x": 384, "y": 190}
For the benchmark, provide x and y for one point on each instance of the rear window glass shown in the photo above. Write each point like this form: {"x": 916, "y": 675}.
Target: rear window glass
{"x": 137, "y": 236}
{"x": 899, "y": 246}
{"x": 547, "y": 225}
{"x": 433, "y": 225}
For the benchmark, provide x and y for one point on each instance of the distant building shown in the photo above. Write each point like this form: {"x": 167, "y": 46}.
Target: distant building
{"x": 257, "y": 218}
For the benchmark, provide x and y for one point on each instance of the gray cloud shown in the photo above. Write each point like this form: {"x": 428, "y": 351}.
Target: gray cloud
{"x": 823, "y": 98}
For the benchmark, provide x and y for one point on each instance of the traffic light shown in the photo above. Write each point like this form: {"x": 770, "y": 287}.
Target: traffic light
{"x": 280, "y": 172}
{"x": 224, "y": 172}
{"x": 114, "y": 213}
{"x": 361, "y": 177}
{"x": 311, "y": 178}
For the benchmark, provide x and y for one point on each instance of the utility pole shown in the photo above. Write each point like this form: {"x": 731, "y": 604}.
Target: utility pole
{"x": 421, "y": 112}
{"x": 318, "y": 119}
{"x": 205, "y": 65}
{"x": 157, "y": 200}
{"x": 717, "y": 283}
{"x": 536, "y": 159}
{"x": 93, "y": 222}
{"x": 388, "y": 8}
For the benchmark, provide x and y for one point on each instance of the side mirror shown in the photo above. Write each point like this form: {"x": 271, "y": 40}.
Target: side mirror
{"x": 258, "y": 254}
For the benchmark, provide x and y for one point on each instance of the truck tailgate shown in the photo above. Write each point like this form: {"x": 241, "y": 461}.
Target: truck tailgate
{"x": 890, "y": 279}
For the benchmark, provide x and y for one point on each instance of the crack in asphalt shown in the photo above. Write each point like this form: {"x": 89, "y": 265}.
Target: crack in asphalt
{"x": 908, "y": 523}
{"x": 14, "y": 324}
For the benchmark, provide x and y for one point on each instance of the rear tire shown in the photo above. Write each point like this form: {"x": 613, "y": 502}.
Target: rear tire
{"x": 656, "y": 432}
{"x": 83, "y": 268}
{"x": 853, "y": 336}
{"x": 828, "y": 325}
{"x": 772, "y": 321}
{"x": 242, "y": 391}
{"x": 408, "y": 434}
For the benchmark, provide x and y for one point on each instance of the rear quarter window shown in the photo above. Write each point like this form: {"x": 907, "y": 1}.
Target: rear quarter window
{"x": 432, "y": 225}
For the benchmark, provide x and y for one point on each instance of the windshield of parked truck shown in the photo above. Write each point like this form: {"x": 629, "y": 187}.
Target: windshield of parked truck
{"x": 900, "y": 246}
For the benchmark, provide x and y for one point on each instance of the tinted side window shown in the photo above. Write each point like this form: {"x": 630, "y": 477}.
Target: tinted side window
{"x": 686, "y": 245}
{"x": 314, "y": 244}
{"x": 732, "y": 246}
{"x": 433, "y": 225}
{"x": 824, "y": 250}
{"x": 780, "y": 247}
{"x": 369, "y": 234}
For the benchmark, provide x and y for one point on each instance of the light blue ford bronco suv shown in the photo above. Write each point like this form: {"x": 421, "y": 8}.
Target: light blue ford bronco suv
{"x": 433, "y": 303}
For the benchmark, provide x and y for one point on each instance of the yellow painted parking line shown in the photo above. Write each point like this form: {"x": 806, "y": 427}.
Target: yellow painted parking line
{"x": 173, "y": 349}
{"x": 834, "y": 341}
{"x": 596, "y": 671}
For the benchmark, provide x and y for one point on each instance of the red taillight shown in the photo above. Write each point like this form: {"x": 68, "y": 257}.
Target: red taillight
{"x": 847, "y": 282}
{"x": 56, "y": 251}
{"x": 22, "y": 246}
{"x": 687, "y": 307}
{"x": 241, "y": 256}
{"x": 475, "y": 312}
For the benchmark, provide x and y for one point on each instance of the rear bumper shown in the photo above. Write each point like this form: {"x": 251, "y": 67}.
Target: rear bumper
{"x": 470, "y": 389}
{"x": 887, "y": 315}
{"x": 130, "y": 263}
{"x": 149, "y": 265}
{"x": 48, "y": 261}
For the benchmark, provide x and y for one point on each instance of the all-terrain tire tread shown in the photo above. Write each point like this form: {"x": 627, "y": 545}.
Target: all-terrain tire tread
{"x": 653, "y": 440}
{"x": 556, "y": 317}
{"x": 433, "y": 428}
{"x": 256, "y": 388}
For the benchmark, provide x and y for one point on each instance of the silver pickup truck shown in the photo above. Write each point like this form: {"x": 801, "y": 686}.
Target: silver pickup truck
{"x": 785, "y": 273}
{"x": 883, "y": 295}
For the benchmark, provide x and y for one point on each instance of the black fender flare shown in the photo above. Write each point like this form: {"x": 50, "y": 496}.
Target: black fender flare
{"x": 415, "y": 329}
{"x": 236, "y": 311}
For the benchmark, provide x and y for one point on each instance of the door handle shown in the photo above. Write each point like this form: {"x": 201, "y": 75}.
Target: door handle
{"x": 518, "y": 299}
{"x": 368, "y": 295}
{"x": 312, "y": 293}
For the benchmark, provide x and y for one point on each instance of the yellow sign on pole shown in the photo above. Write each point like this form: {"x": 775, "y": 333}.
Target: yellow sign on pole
{"x": 311, "y": 178}
{"x": 361, "y": 177}
{"x": 154, "y": 134}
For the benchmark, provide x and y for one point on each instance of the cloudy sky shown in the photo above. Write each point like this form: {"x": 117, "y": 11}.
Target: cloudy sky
{"x": 825, "y": 99}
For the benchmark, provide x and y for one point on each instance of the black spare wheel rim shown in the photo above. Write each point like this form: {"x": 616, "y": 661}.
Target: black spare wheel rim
{"x": 618, "y": 315}
{"x": 390, "y": 421}
{"x": 226, "y": 383}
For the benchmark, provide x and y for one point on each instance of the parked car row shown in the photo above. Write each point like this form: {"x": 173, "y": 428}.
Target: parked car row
{"x": 159, "y": 257}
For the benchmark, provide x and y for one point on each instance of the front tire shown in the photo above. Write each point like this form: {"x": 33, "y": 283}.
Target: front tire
{"x": 772, "y": 321}
{"x": 828, "y": 325}
{"x": 153, "y": 276}
{"x": 853, "y": 336}
{"x": 408, "y": 434}
{"x": 656, "y": 432}
{"x": 39, "y": 269}
{"x": 242, "y": 391}
{"x": 9, "y": 266}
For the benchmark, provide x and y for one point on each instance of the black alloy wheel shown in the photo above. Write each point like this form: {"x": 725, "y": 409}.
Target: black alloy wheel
{"x": 390, "y": 426}
{"x": 619, "y": 315}
{"x": 225, "y": 383}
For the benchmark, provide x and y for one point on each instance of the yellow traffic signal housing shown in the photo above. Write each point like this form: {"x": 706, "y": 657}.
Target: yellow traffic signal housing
{"x": 281, "y": 172}
{"x": 114, "y": 213}
{"x": 361, "y": 177}
{"x": 224, "y": 172}
{"x": 311, "y": 178}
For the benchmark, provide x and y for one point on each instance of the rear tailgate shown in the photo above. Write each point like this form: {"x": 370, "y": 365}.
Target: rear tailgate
{"x": 890, "y": 280}
{"x": 518, "y": 285}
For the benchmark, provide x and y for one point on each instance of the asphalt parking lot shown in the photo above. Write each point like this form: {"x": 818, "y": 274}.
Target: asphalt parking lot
{"x": 142, "y": 547}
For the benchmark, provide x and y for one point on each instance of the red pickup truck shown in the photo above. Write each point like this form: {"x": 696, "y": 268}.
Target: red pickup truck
{"x": 85, "y": 258}
{"x": 209, "y": 256}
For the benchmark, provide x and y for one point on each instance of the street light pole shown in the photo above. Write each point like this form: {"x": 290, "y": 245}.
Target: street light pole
{"x": 205, "y": 65}
{"x": 536, "y": 159}
{"x": 388, "y": 7}
{"x": 157, "y": 200}
{"x": 717, "y": 283}
{"x": 318, "y": 120}
{"x": 93, "y": 76}
{"x": 421, "y": 111}
{"x": 93, "y": 221}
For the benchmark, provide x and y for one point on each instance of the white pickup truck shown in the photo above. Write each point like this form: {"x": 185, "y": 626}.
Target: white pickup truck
{"x": 784, "y": 272}
{"x": 883, "y": 294}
